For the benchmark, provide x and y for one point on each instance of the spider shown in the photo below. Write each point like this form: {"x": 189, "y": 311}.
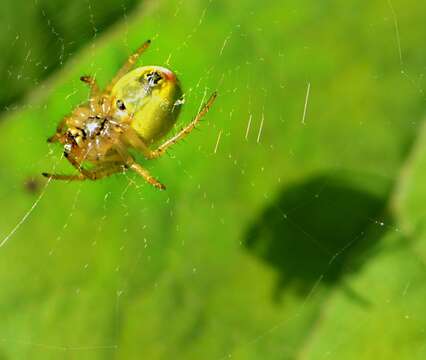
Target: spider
{"x": 136, "y": 110}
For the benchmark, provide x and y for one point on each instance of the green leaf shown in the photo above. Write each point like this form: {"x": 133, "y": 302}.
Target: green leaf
{"x": 296, "y": 237}
{"x": 41, "y": 35}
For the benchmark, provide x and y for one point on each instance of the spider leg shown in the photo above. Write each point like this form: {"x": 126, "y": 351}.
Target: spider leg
{"x": 136, "y": 142}
{"x": 93, "y": 174}
{"x": 146, "y": 175}
{"x": 128, "y": 65}
{"x": 104, "y": 171}
{"x": 97, "y": 172}
{"x": 59, "y": 130}
{"x": 132, "y": 164}
{"x": 184, "y": 132}
{"x": 93, "y": 85}
{"x": 63, "y": 177}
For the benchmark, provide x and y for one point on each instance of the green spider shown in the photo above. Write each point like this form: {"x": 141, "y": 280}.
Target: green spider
{"x": 137, "y": 109}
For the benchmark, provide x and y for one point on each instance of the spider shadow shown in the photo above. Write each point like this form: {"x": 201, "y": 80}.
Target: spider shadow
{"x": 316, "y": 231}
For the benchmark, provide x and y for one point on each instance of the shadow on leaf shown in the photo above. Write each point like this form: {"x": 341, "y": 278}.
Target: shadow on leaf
{"x": 315, "y": 232}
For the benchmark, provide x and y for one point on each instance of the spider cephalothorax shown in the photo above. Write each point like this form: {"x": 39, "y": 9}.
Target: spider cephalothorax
{"x": 94, "y": 140}
{"x": 91, "y": 132}
{"x": 135, "y": 110}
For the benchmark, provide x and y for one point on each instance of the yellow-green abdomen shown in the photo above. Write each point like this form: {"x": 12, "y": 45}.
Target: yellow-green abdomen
{"x": 151, "y": 98}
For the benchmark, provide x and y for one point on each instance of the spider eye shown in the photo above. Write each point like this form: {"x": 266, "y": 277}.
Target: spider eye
{"x": 153, "y": 78}
{"x": 120, "y": 105}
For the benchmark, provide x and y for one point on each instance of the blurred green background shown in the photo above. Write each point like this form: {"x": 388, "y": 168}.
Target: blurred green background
{"x": 292, "y": 227}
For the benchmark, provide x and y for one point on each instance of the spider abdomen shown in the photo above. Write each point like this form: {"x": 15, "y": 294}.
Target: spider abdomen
{"x": 149, "y": 98}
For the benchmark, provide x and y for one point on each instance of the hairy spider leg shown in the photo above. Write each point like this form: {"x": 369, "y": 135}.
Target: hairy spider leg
{"x": 127, "y": 66}
{"x": 185, "y": 131}
{"x": 132, "y": 164}
{"x": 96, "y": 173}
{"x": 93, "y": 85}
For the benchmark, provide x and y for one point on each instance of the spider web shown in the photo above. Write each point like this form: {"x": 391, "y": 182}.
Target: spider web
{"x": 270, "y": 217}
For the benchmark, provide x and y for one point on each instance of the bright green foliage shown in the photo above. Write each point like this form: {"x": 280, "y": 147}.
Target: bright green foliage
{"x": 306, "y": 244}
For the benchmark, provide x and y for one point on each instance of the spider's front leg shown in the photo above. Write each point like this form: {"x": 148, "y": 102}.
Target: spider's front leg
{"x": 127, "y": 66}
